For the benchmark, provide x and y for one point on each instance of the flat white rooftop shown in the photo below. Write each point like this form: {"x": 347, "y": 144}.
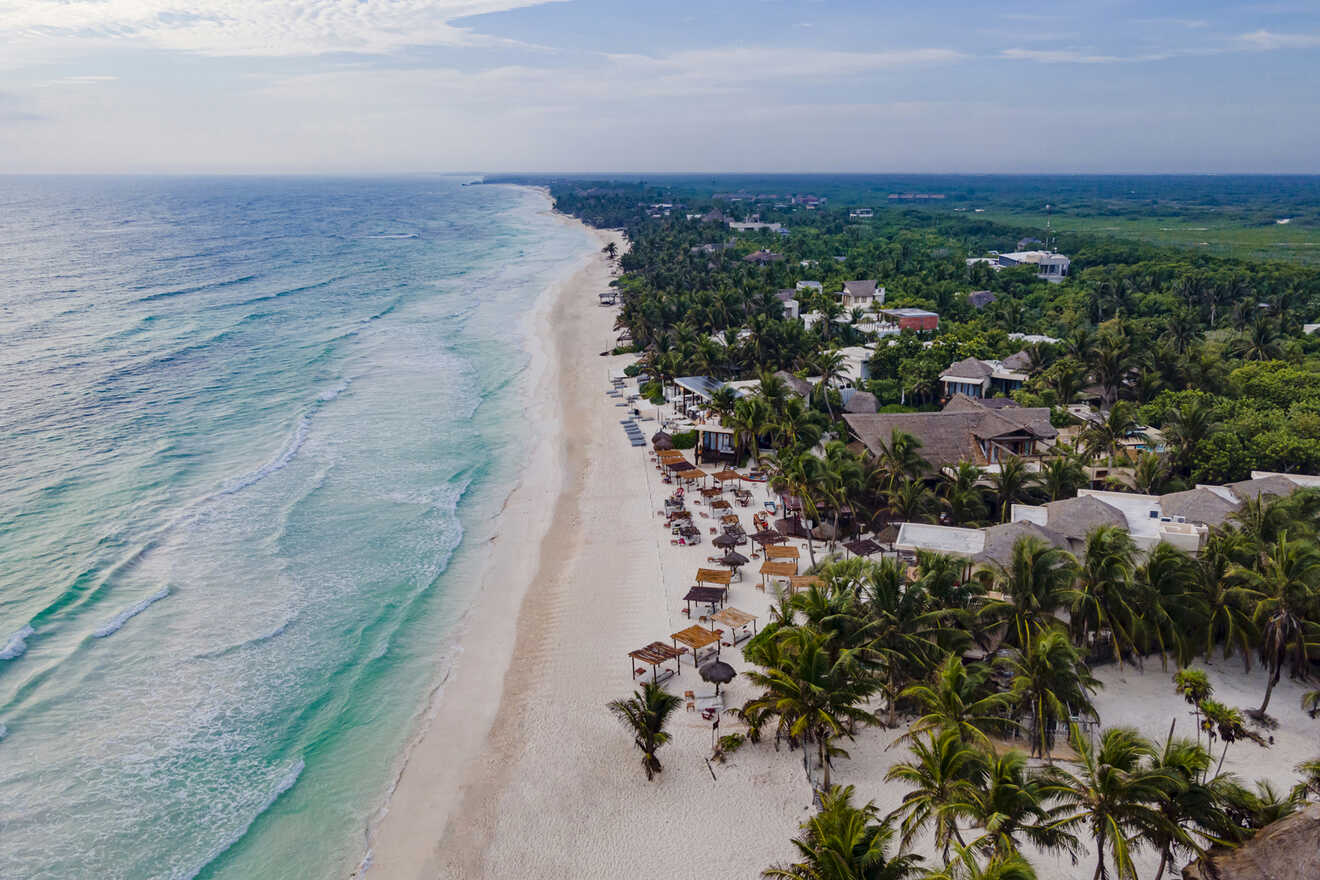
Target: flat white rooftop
{"x": 940, "y": 539}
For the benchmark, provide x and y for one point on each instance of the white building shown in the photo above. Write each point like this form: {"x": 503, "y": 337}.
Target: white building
{"x": 1049, "y": 265}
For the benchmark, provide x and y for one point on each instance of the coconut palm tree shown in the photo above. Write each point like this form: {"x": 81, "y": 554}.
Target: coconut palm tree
{"x": 1282, "y": 595}
{"x": 1062, "y": 476}
{"x": 1188, "y": 426}
{"x": 900, "y": 457}
{"x": 1310, "y": 785}
{"x": 906, "y": 634}
{"x": 1115, "y": 794}
{"x": 1224, "y": 723}
{"x": 1012, "y": 483}
{"x": 1193, "y": 685}
{"x": 1227, "y": 622}
{"x": 962, "y": 496}
{"x": 964, "y": 866}
{"x": 1190, "y": 809}
{"x": 1051, "y": 683}
{"x": 829, "y": 367}
{"x": 943, "y": 776}
{"x": 1010, "y": 808}
{"x": 910, "y": 501}
{"x": 1102, "y": 597}
{"x": 1311, "y": 703}
{"x": 846, "y": 842}
{"x": 749, "y": 420}
{"x": 1034, "y": 585}
{"x": 960, "y": 699}
{"x": 1105, "y": 438}
{"x": 1149, "y": 473}
{"x": 1259, "y": 342}
{"x": 812, "y": 698}
{"x": 645, "y": 714}
{"x": 1167, "y": 604}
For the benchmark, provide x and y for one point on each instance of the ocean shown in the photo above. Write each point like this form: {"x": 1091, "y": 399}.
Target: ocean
{"x": 253, "y": 435}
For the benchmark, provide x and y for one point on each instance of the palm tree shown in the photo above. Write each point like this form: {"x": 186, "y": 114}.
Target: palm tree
{"x": 1011, "y": 805}
{"x": 1062, "y": 476}
{"x": 1223, "y": 722}
{"x": 901, "y": 457}
{"x": 906, "y": 633}
{"x": 845, "y": 842}
{"x": 1052, "y": 683}
{"x": 910, "y": 501}
{"x": 1191, "y": 810}
{"x": 610, "y": 250}
{"x": 1188, "y": 426}
{"x": 1260, "y": 342}
{"x": 1310, "y": 784}
{"x": 1106, "y": 437}
{"x": 812, "y": 698}
{"x": 1282, "y": 595}
{"x": 645, "y": 714}
{"x": 1311, "y": 703}
{"x": 958, "y": 699}
{"x": 748, "y": 422}
{"x": 965, "y": 867}
{"x": 962, "y": 495}
{"x": 1034, "y": 585}
{"x": 1150, "y": 473}
{"x": 944, "y": 775}
{"x": 1116, "y": 795}
{"x": 1010, "y": 484}
{"x": 829, "y": 367}
{"x": 1168, "y": 605}
{"x": 1193, "y": 685}
{"x": 1227, "y": 621}
{"x": 1103, "y": 594}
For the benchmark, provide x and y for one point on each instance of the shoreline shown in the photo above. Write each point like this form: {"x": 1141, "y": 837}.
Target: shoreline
{"x": 428, "y": 785}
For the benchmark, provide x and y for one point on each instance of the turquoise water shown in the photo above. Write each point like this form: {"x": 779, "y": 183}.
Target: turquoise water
{"x": 249, "y": 431}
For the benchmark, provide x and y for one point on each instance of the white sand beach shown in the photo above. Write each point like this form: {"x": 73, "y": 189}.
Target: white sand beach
{"x": 522, "y": 772}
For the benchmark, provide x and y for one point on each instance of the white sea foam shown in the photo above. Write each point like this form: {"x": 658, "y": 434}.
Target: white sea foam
{"x": 16, "y": 645}
{"x": 275, "y": 464}
{"x": 331, "y": 393}
{"x": 284, "y": 783}
{"x": 4, "y": 731}
{"x": 128, "y": 614}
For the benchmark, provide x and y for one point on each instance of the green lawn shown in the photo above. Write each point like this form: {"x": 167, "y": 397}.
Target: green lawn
{"x": 1285, "y": 242}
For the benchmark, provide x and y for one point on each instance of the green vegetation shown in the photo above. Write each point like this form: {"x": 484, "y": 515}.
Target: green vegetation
{"x": 1201, "y": 355}
{"x": 645, "y": 714}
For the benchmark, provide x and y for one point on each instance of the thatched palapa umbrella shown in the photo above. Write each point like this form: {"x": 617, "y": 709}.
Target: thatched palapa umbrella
{"x": 725, "y": 540}
{"x": 719, "y": 672}
{"x": 734, "y": 559}
{"x": 661, "y": 440}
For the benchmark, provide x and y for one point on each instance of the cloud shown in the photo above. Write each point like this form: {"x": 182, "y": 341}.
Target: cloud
{"x": 1072, "y": 56}
{"x": 1269, "y": 40}
{"x": 250, "y": 27}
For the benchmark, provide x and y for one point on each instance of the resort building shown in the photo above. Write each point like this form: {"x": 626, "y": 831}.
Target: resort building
{"x": 965, "y": 430}
{"x": 979, "y": 299}
{"x": 763, "y": 257}
{"x": 918, "y": 320}
{"x": 857, "y": 364}
{"x": 861, "y": 295}
{"x": 977, "y": 378}
{"x": 1049, "y": 265}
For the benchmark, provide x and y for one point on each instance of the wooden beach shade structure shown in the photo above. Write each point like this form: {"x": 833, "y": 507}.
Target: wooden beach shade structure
{"x": 696, "y": 637}
{"x": 668, "y": 455}
{"x": 727, "y": 540}
{"x": 719, "y": 576}
{"x": 782, "y": 568}
{"x": 727, "y": 476}
{"x": 804, "y": 582}
{"x": 735, "y": 619}
{"x": 787, "y": 551}
{"x": 705, "y": 596}
{"x": 656, "y": 654}
{"x": 862, "y": 547}
{"x": 720, "y": 504}
{"x": 767, "y": 537}
{"x": 711, "y": 493}
{"x": 691, "y": 473}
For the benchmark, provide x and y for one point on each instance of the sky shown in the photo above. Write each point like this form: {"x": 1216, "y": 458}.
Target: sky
{"x": 393, "y": 86}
